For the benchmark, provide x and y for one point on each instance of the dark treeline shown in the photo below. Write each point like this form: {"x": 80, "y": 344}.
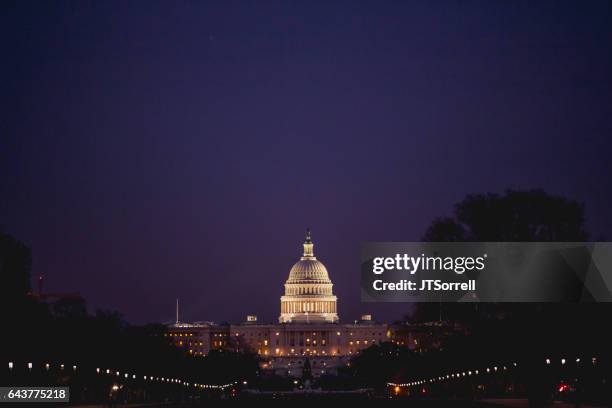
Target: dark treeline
{"x": 528, "y": 333}
{"x": 521, "y": 328}
{"x": 63, "y": 332}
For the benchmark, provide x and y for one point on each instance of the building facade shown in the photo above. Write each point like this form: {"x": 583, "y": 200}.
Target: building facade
{"x": 308, "y": 327}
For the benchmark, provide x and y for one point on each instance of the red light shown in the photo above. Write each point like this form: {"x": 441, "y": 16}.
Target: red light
{"x": 563, "y": 387}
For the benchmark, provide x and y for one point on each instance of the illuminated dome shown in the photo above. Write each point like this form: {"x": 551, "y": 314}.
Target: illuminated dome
{"x": 308, "y": 291}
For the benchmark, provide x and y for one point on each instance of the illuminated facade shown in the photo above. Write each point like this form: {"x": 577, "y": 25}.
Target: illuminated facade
{"x": 308, "y": 291}
{"x": 309, "y": 327}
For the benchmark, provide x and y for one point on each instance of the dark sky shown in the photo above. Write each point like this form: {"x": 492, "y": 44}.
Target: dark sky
{"x": 154, "y": 150}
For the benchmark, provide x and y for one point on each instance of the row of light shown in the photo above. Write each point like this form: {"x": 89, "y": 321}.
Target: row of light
{"x": 578, "y": 360}
{"x": 108, "y": 371}
{"x": 475, "y": 372}
{"x": 167, "y": 380}
{"x": 11, "y": 365}
{"x": 468, "y": 373}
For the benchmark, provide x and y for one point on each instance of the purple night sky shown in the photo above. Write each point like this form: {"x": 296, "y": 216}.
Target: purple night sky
{"x": 150, "y": 151}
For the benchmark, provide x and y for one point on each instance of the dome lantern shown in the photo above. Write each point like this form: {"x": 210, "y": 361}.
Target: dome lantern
{"x": 308, "y": 245}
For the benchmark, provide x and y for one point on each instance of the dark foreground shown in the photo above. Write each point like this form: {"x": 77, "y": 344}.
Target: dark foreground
{"x": 429, "y": 403}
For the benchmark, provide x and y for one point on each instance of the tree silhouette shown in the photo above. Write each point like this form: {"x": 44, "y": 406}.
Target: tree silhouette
{"x": 517, "y": 216}
{"x": 15, "y": 266}
{"x": 525, "y": 332}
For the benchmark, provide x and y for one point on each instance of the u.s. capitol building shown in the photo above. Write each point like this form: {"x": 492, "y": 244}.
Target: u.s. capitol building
{"x": 308, "y": 327}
